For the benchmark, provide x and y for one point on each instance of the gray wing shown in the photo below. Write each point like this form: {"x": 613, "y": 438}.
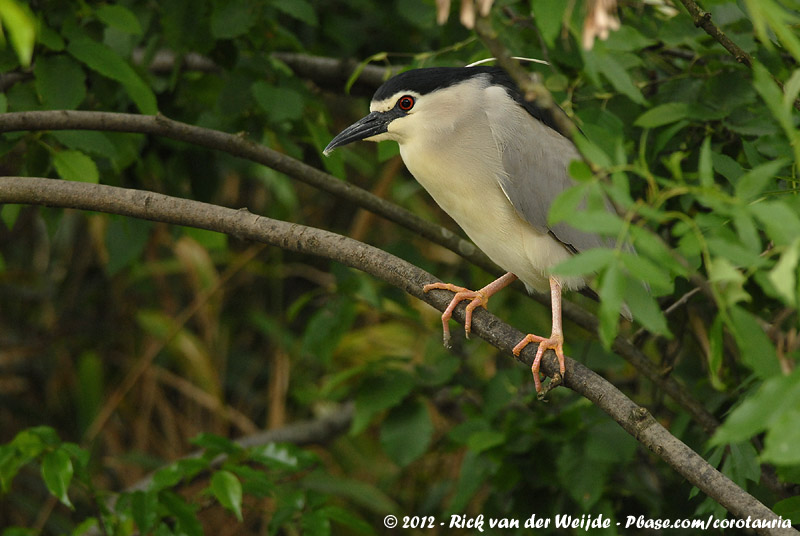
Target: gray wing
{"x": 535, "y": 173}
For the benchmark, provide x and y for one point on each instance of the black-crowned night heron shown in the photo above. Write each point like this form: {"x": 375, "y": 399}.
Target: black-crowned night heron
{"x": 494, "y": 162}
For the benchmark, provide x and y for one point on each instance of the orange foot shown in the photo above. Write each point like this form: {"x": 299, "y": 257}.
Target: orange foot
{"x": 555, "y": 342}
{"x": 478, "y": 298}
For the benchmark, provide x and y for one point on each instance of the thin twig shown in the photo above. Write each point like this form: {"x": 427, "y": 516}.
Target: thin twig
{"x": 702, "y": 19}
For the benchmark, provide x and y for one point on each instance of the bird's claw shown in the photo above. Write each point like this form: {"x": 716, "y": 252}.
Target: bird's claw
{"x": 556, "y": 343}
{"x": 477, "y": 299}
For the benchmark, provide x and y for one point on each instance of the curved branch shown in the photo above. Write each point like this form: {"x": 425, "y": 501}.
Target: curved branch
{"x": 635, "y": 419}
{"x": 334, "y": 72}
{"x": 311, "y": 432}
{"x": 241, "y": 147}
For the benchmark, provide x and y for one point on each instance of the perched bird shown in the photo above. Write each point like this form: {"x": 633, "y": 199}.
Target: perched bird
{"x": 494, "y": 162}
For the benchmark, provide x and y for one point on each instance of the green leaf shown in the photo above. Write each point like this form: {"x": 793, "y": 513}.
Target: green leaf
{"x": 768, "y": 15}
{"x": 742, "y": 463}
{"x": 591, "y": 151}
{"x": 31, "y": 442}
{"x": 228, "y": 491}
{"x": 301, "y": 10}
{"x": 784, "y": 275}
{"x": 752, "y": 183}
{"x": 651, "y": 246}
{"x": 57, "y": 474}
{"x": 346, "y": 518}
{"x": 125, "y": 240}
{"x": 729, "y": 280}
{"x": 705, "y": 166}
{"x": 780, "y": 221}
{"x": 119, "y": 17}
{"x": 549, "y": 17}
{"x": 377, "y": 394}
{"x": 21, "y": 26}
{"x": 60, "y": 82}
{"x": 87, "y": 141}
{"x": 782, "y": 439}
{"x": 215, "y": 444}
{"x": 582, "y": 476}
{"x": 475, "y": 470}
{"x": 608, "y": 64}
{"x": 485, "y": 439}
{"x": 406, "y": 432}
{"x": 108, "y": 63}
{"x": 315, "y": 524}
{"x": 585, "y": 262}
{"x": 760, "y": 410}
{"x": 280, "y": 103}
{"x": 716, "y": 352}
{"x": 89, "y": 388}
{"x": 184, "y": 513}
{"x": 169, "y": 476}
{"x": 774, "y": 98}
{"x": 611, "y": 289}
{"x": 326, "y": 328}
{"x": 232, "y": 18}
{"x": 788, "y": 508}
{"x": 757, "y": 350}
{"x": 566, "y": 204}
{"x": 609, "y": 443}
{"x": 10, "y": 464}
{"x": 645, "y": 309}
{"x": 791, "y": 90}
{"x": 647, "y": 271}
{"x": 663, "y": 114}
{"x": 144, "y": 509}
{"x": 50, "y": 38}
{"x": 359, "y": 492}
{"x": 580, "y": 171}
{"x": 727, "y": 167}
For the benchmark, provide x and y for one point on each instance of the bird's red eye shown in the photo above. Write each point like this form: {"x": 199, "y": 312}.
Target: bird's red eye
{"x": 405, "y": 103}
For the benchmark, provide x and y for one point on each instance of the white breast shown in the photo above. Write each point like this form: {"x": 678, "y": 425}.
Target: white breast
{"x": 476, "y": 202}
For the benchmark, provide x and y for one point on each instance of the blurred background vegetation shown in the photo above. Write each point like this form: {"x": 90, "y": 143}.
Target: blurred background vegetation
{"x": 121, "y": 341}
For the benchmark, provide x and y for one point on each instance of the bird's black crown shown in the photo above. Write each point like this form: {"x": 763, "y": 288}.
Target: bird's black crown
{"x": 430, "y": 79}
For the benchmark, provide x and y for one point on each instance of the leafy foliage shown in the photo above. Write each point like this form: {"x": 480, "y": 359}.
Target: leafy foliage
{"x": 130, "y": 337}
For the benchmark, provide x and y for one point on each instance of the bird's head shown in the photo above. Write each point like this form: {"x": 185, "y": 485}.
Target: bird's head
{"x": 421, "y": 101}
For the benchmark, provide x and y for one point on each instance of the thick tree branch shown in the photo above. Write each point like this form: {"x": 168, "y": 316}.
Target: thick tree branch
{"x": 333, "y": 73}
{"x": 635, "y": 419}
{"x": 241, "y": 147}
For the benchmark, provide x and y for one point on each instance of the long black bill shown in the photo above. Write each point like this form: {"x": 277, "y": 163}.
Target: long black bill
{"x": 373, "y": 124}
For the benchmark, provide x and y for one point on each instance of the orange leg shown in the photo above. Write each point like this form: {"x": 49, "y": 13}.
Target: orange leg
{"x": 478, "y": 298}
{"x": 555, "y": 342}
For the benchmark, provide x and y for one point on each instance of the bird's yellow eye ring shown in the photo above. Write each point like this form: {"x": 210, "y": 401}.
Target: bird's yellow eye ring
{"x": 406, "y": 102}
